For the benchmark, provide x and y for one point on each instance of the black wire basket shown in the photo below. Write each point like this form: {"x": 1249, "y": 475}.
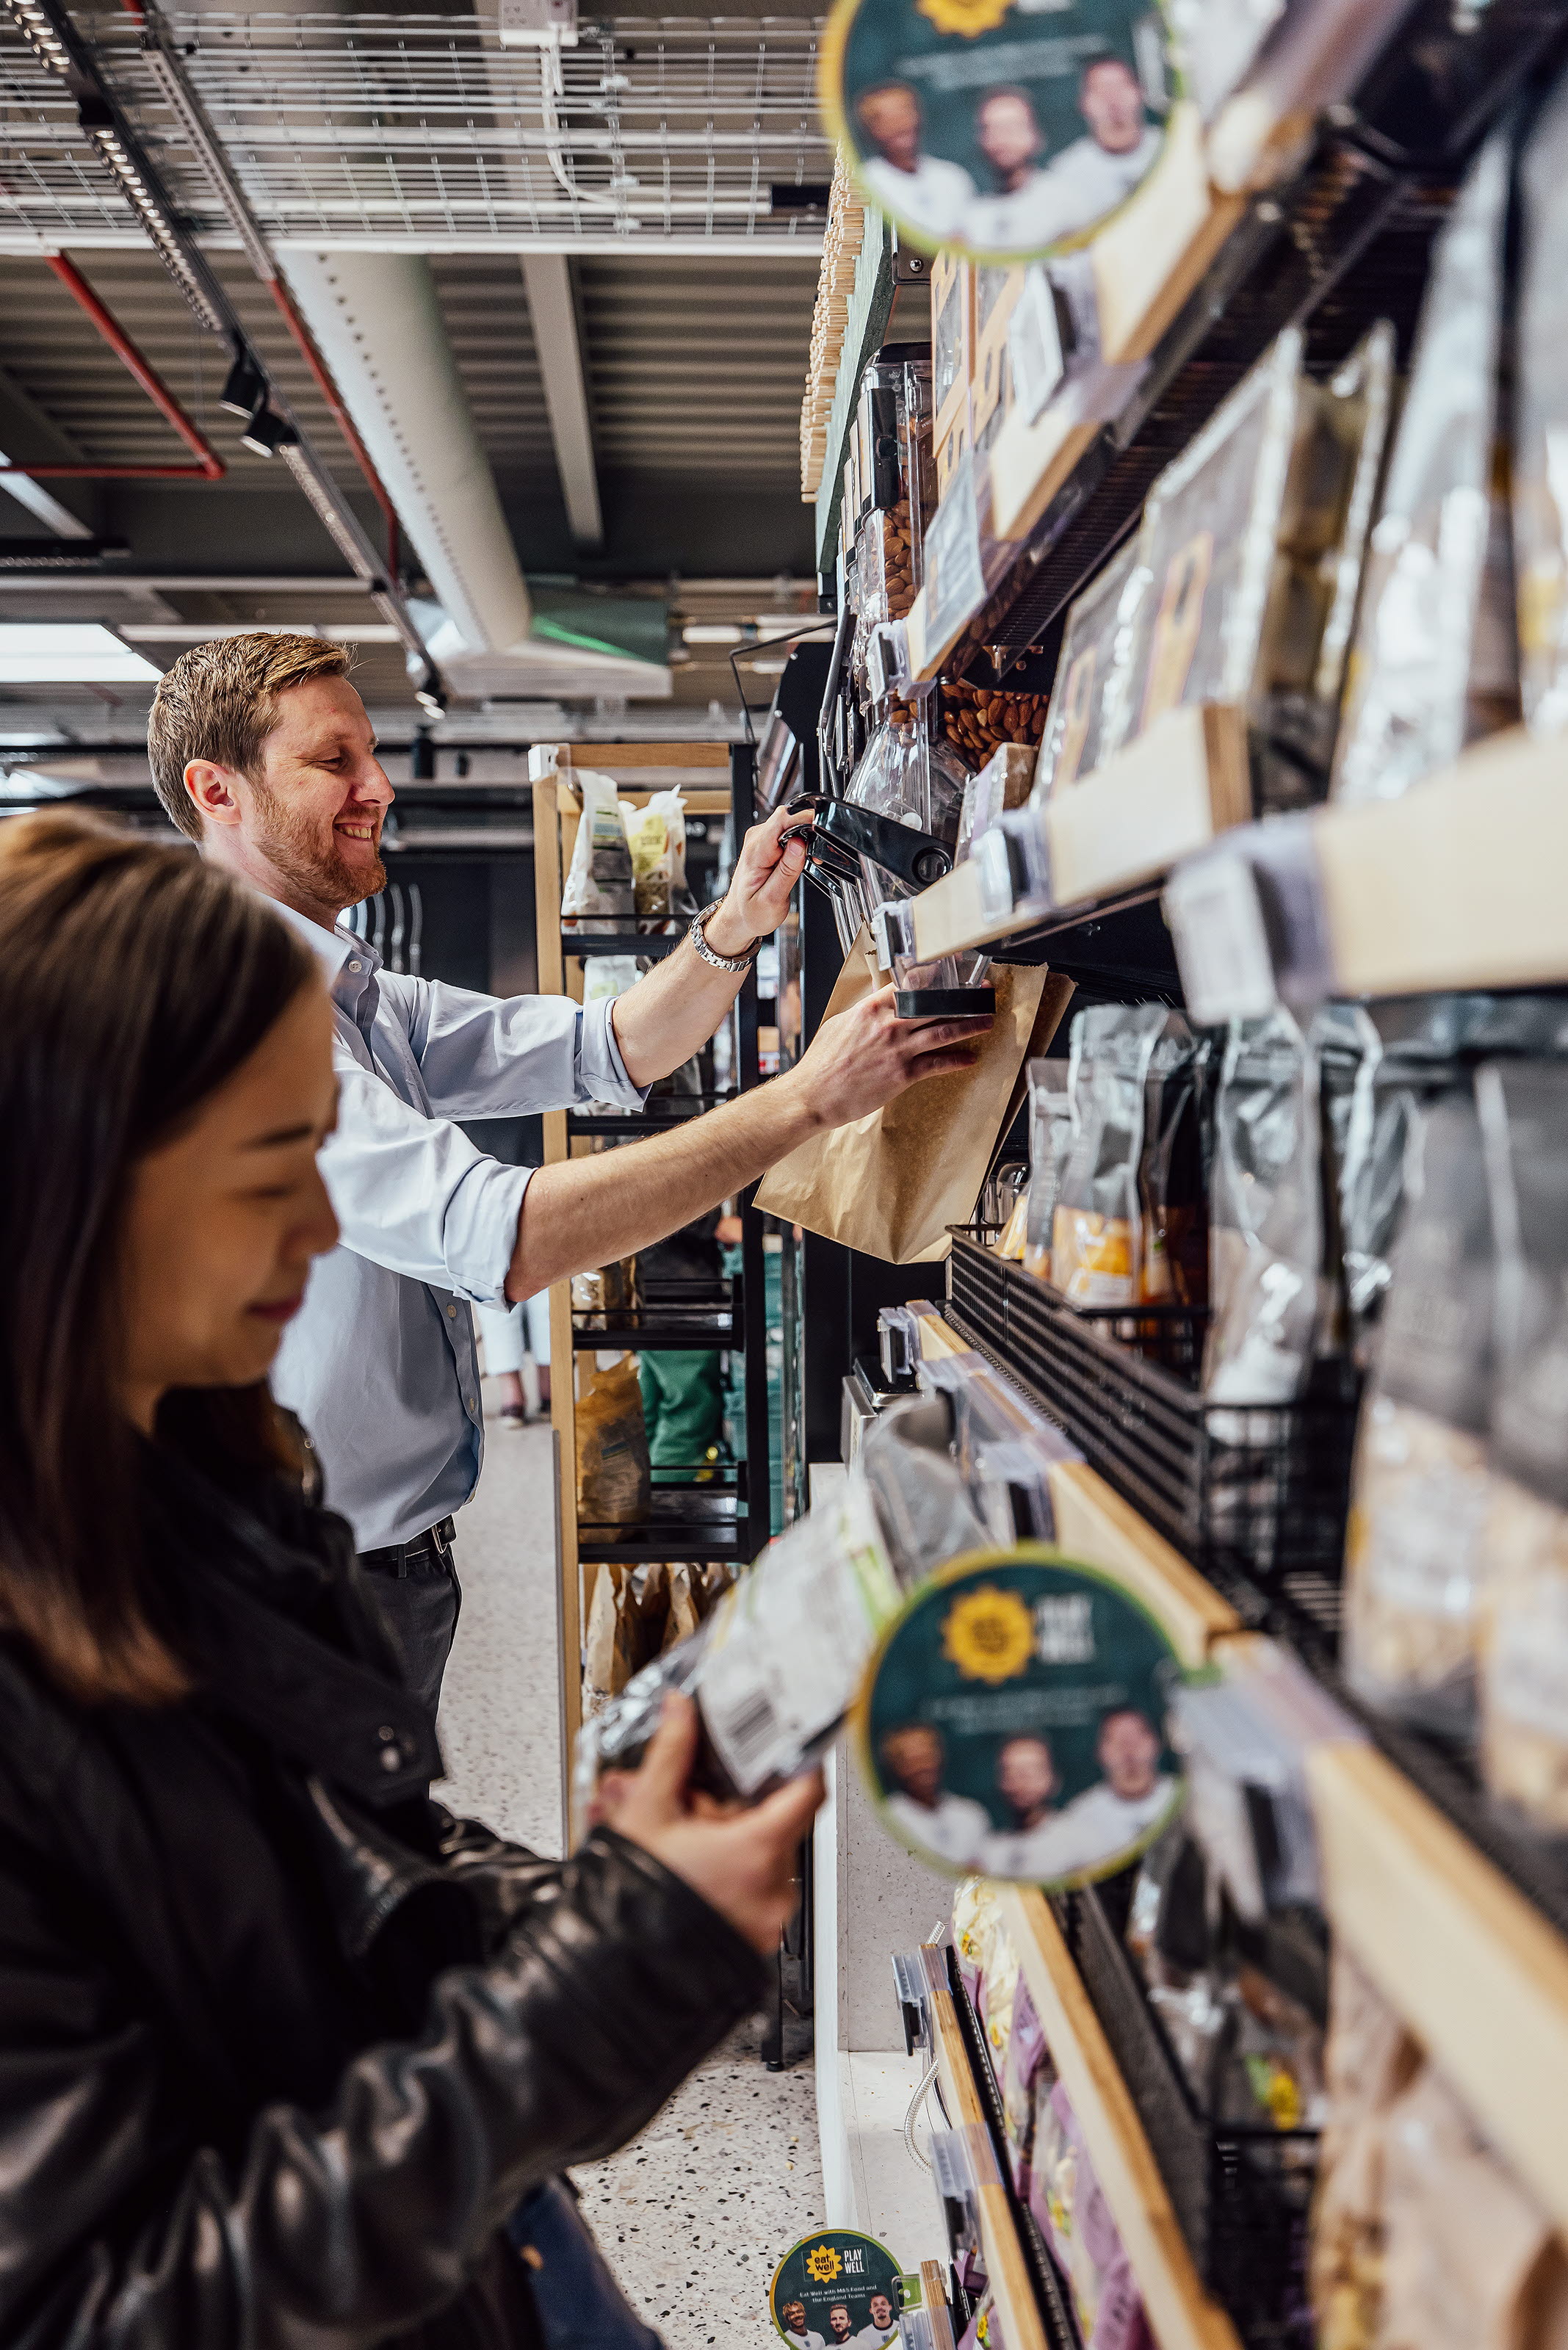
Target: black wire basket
{"x": 1254, "y": 1495}
{"x": 1241, "y": 2195}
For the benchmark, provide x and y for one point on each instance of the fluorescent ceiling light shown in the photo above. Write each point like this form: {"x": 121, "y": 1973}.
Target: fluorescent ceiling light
{"x": 764, "y": 668}
{"x": 69, "y": 652}
{"x": 712, "y": 632}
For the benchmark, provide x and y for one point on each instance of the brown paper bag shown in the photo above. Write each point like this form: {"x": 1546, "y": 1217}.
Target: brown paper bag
{"x": 613, "y": 1477}
{"x": 890, "y": 1184}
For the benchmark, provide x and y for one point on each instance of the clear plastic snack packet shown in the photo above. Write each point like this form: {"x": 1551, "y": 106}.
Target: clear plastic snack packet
{"x": 1539, "y": 418}
{"x": 1467, "y": 2249}
{"x": 1369, "y": 2059}
{"x": 1415, "y": 1565}
{"x": 1426, "y": 674}
{"x": 773, "y": 1667}
{"x": 1097, "y": 1223}
{"x": 1523, "y": 1111}
{"x": 656, "y": 835}
{"x": 1242, "y": 540}
{"x": 1050, "y": 1139}
{"x": 1088, "y": 712}
{"x": 1266, "y": 1251}
{"x": 598, "y": 892}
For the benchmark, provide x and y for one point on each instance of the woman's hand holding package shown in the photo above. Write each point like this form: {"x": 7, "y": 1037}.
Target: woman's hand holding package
{"x": 741, "y": 1861}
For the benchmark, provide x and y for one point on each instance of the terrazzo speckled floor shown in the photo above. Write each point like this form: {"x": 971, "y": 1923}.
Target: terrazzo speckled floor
{"x": 695, "y": 2213}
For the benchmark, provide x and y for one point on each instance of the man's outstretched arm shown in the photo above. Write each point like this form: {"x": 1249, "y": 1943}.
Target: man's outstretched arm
{"x": 674, "y": 1008}
{"x": 582, "y": 1212}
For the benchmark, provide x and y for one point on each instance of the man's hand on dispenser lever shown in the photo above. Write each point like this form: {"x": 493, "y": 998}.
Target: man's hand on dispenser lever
{"x": 757, "y": 900}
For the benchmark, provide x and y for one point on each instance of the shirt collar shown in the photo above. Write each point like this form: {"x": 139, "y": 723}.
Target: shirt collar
{"x": 336, "y": 950}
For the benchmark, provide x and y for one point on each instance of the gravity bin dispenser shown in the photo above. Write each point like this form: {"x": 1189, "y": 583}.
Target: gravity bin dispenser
{"x": 892, "y": 828}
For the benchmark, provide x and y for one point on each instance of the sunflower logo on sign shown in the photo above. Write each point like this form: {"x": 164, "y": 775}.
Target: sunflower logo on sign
{"x": 823, "y": 2264}
{"x": 989, "y": 1635}
{"x": 968, "y": 17}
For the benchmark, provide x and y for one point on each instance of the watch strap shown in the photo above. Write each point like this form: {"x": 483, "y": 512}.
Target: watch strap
{"x": 710, "y": 954}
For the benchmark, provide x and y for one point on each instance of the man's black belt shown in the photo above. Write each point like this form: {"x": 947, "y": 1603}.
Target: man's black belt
{"x": 432, "y": 1548}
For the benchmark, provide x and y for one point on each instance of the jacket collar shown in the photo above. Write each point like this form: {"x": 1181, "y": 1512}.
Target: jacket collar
{"x": 285, "y": 1636}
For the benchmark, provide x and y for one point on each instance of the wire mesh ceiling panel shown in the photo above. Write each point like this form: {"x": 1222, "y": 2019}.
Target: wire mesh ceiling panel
{"x": 421, "y": 133}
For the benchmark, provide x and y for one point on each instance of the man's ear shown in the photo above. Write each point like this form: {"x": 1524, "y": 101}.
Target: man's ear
{"x": 213, "y": 790}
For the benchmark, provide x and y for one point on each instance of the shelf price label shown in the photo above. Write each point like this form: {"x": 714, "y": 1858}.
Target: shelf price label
{"x": 955, "y": 580}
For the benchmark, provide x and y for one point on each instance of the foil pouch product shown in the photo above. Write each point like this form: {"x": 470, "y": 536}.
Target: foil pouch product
{"x": 1173, "y": 1263}
{"x": 1050, "y": 1140}
{"x": 1434, "y": 664}
{"x": 1523, "y": 1111}
{"x": 1266, "y": 1217}
{"x": 1541, "y": 419}
{"x": 1096, "y": 1231}
{"x": 1414, "y": 1556}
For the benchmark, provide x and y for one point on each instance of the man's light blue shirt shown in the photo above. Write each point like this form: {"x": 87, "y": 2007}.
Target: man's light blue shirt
{"x": 380, "y": 1363}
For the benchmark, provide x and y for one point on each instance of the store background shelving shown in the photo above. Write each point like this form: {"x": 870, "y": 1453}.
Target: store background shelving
{"x": 726, "y": 1516}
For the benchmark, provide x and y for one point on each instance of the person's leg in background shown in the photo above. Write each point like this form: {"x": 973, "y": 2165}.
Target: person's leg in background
{"x": 506, "y": 1344}
{"x": 683, "y": 1406}
{"x": 417, "y": 1587}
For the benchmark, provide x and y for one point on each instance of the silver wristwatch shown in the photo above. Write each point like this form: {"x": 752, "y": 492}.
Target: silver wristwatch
{"x": 719, "y": 961}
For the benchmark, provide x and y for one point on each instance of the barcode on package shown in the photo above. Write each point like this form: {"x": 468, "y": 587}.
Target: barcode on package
{"x": 746, "y": 1737}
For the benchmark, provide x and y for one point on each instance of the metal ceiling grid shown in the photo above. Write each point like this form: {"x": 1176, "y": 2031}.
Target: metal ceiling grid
{"x": 53, "y": 354}
{"x": 421, "y": 133}
{"x": 695, "y": 367}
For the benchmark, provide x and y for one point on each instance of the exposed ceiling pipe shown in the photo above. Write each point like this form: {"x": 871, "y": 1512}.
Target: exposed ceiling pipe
{"x": 209, "y": 467}
{"x": 377, "y": 323}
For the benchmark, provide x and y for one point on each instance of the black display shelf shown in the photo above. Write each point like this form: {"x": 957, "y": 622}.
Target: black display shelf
{"x": 1255, "y": 1495}
{"x": 1241, "y": 2194}
{"x": 659, "y": 1117}
{"x": 1050, "y": 2296}
{"x": 677, "y": 1525}
{"x": 1348, "y": 241}
{"x": 621, "y": 942}
{"x": 660, "y": 1330}
{"x": 1116, "y": 951}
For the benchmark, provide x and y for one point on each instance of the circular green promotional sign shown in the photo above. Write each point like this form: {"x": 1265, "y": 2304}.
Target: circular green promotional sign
{"x": 1013, "y": 1721}
{"x": 1002, "y": 128}
{"x": 837, "y": 2286}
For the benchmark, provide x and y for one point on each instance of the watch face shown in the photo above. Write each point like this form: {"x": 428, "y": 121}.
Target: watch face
{"x": 1000, "y": 128}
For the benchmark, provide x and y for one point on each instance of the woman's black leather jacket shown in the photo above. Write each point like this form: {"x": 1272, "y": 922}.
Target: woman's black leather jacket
{"x": 281, "y": 2043}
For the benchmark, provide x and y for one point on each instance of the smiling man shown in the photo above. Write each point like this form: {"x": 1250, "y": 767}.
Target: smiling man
{"x": 262, "y": 753}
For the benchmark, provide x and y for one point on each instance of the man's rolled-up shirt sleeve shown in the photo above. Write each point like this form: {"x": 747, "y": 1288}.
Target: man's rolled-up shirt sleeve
{"x": 413, "y": 1193}
{"x": 490, "y": 1056}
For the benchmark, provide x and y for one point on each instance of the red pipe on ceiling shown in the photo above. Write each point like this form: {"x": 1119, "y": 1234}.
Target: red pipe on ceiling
{"x": 209, "y": 467}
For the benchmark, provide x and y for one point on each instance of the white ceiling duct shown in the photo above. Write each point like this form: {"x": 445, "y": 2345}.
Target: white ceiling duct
{"x": 378, "y": 325}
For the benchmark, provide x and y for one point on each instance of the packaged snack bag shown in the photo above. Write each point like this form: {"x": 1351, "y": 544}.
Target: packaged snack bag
{"x": 1523, "y": 1109}
{"x": 1173, "y": 1261}
{"x": 1266, "y": 1293}
{"x": 1050, "y": 1139}
{"x": 1434, "y": 664}
{"x": 1370, "y": 2059}
{"x": 598, "y": 892}
{"x": 1096, "y": 1231}
{"x": 1088, "y": 712}
{"x": 1540, "y": 419}
{"x": 656, "y": 835}
{"x": 614, "y": 1476}
{"x": 1414, "y": 1558}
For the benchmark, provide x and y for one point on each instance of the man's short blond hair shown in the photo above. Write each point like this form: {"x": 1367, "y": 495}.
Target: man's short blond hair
{"x": 219, "y": 702}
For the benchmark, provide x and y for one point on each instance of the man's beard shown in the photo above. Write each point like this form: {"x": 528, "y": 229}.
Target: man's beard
{"x": 319, "y": 872}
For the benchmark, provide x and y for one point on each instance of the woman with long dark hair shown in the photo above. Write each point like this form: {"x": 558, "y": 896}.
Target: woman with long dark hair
{"x": 282, "y": 2045}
